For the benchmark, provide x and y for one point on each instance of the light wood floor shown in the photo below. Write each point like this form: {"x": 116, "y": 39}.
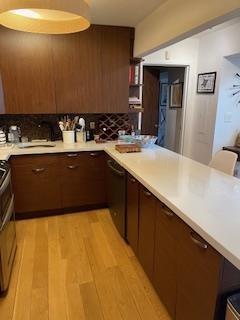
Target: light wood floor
{"x": 77, "y": 267}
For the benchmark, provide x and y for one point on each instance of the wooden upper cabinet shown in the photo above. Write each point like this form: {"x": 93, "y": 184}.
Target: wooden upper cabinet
{"x": 2, "y": 102}
{"x": 115, "y": 69}
{"x": 77, "y": 68}
{"x": 91, "y": 70}
{"x": 84, "y": 72}
{"x": 27, "y": 72}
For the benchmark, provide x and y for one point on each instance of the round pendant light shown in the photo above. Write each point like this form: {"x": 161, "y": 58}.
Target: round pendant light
{"x": 45, "y": 16}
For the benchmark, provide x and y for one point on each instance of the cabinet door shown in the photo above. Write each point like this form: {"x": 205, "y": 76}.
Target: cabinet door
{"x": 147, "y": 222}
{"x": 35, "y": 183}
{"x": 2, "y": 102}
{"x": 83, "y": 179}
{"x": 165, "y": 261}
{"x": 132, "y": 212}
{"x": 115, "y": 69}
{"x": 77, "y": 64}
{"x": 198, "y": 276}
{"x": 27, "y": 72}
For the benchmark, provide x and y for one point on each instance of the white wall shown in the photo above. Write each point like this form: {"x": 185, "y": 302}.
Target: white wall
{"x": 228, "y": 110}
{"x": 213, "y": 47}
{"x": 207, "y": 53}
{"x": 184, "y": 53}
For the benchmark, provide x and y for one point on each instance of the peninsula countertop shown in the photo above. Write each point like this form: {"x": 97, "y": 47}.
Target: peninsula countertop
{"x": 204, "y": 198}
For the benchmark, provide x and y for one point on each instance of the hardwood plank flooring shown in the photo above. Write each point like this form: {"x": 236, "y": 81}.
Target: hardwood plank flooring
{"x": 77, "y": 267}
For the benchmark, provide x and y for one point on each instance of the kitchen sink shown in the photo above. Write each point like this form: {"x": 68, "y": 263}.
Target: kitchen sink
{"x": 26, "y": 145}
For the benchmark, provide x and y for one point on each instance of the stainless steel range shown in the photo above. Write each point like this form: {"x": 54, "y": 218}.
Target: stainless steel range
{"x": 7, "y": 226}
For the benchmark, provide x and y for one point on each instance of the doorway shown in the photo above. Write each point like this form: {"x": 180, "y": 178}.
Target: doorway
{"x": 163, "y": 103}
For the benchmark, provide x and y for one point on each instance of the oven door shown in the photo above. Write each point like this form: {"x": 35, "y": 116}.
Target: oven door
{"x": 7, "y": 246}
{"x": 5, "y": 196}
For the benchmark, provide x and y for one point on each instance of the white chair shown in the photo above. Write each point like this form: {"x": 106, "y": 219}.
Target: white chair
{"x": 224, "y": 161}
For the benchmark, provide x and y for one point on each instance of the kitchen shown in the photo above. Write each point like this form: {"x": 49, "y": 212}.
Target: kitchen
{"x": 168, "y": 246}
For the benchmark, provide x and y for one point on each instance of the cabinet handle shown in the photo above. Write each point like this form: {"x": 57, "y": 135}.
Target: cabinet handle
{"x": 132, "y": 180}
{"x": 147, "y": 193}
{"x": 72, "y": 167}
{"x": 167, "y": 212}
{"x": 93, "y": 154}
{"x": 72, "y": 155}
{"x": 199, "y": 243}
{"x": 38, "y": 170}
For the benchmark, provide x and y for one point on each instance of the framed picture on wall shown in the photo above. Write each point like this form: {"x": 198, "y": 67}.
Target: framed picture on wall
{"x": 206, "y": 82}
{"x": 164, "y": 94}
{"x": 176, "y": 95}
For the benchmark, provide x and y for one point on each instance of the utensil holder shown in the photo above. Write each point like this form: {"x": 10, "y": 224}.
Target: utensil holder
{"x": 68, "y": 137}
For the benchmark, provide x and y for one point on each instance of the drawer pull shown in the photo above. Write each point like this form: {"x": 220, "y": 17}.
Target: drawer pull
{"x": 132, "y": 180}
{"x": 72, "y": 167}
{"x": 93, "y": 154}
{"x": 199, "y": 243}
{"x": 147, "y": 193}
{"x": 72, "y": 155}
{"x": 167, "y": 212}
{"x": 38, "y": 170}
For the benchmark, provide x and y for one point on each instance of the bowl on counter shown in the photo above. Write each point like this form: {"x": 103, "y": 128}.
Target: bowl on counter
{"x": 144, "y": 141}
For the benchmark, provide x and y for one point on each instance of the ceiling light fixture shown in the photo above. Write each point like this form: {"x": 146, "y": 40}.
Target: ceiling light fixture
{"x": 45, "y": 16}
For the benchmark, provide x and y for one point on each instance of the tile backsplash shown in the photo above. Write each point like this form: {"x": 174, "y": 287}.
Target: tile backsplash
{"x": 40, "y": 126}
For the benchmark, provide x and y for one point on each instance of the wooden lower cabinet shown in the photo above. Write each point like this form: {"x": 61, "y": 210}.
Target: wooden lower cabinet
{"x": 165, "y": 262}
{"x": 132, "y": 212}
{"x": 83, "y": 179}
{"x": 59, "y": 181}
{"x": 35, "y": 183}
{"x": 146, "y": 236}
{"x": 191, "y": 278}
{"x": 199, "y": 276}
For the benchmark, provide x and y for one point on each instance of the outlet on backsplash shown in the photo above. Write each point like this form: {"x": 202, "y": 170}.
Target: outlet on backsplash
{"x": 46, "y": 126}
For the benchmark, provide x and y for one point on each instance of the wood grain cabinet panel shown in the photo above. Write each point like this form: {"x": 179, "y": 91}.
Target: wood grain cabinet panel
{"x": 35, "y": 183}
{"x": 146, "y": 236}
{"x": 115, "y": 69}
{"x": 91, "y": 70}
{"x": 83, "y": 178}
{"x": 165, "y": 261}
{"x": 78, "y": 71}
{"x": 199, "y": 272}
{"x": 27, "y": 72}
{"x": 132, "y": 212}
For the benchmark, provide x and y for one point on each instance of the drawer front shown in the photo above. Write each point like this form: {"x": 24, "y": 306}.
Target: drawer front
{"x": 34, "y": 160}
{"x": 91, "y": 164}
{"x": 199, "y": 267}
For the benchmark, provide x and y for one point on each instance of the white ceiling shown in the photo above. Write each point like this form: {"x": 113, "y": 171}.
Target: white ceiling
{"x": 122, "y": 12}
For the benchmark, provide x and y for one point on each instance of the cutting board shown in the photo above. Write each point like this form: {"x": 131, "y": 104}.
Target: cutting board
{"x": 127, "y": 148}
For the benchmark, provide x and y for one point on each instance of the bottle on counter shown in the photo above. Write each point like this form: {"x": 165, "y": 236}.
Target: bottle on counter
{"x": 14, "y": 134}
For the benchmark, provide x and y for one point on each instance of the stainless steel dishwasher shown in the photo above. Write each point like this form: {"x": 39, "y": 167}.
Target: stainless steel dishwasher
{"x": 117, "y": 195}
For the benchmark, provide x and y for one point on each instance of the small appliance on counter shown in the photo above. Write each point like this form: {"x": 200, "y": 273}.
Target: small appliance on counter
{"x": 8, "y": 243}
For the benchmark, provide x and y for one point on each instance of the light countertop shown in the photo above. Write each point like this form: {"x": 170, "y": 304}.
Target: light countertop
{"x": 206, "y": 199}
